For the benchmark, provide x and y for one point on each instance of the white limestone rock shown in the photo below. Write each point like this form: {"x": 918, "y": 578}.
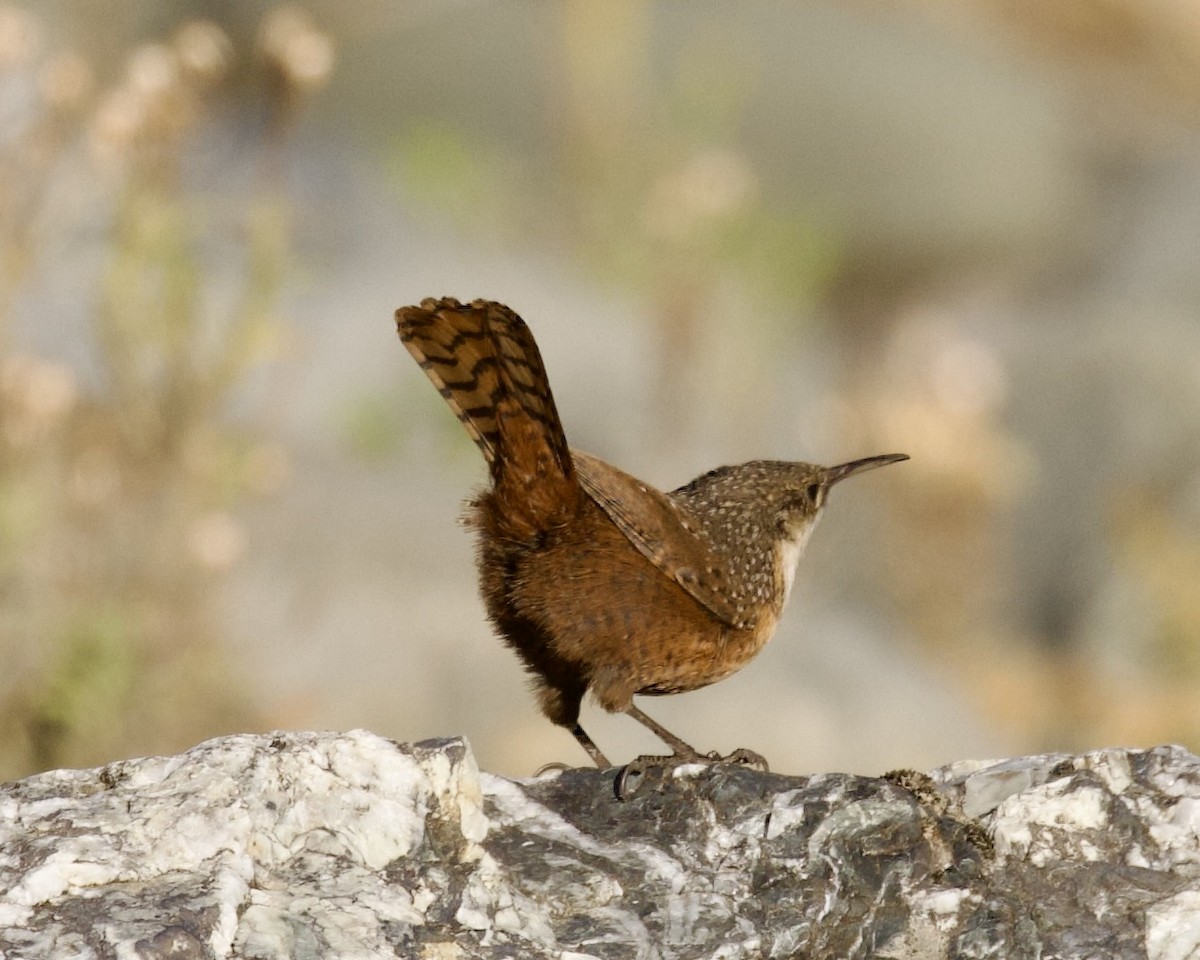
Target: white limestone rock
{"x": 350, "y": 845}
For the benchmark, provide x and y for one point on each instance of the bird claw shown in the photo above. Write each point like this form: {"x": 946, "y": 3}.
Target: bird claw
{"x": 554, "y": 765}
{"x": 633, "y": 769}
{"x": 630, "y": 776}
{"x": 747, "y": 758}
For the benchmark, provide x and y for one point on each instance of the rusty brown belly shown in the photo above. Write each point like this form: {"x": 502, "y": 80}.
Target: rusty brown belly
{"x": 631, "y": 629}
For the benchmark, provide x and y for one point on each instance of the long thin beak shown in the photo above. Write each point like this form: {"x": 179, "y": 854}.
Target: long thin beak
{"x": 844, "y": 470}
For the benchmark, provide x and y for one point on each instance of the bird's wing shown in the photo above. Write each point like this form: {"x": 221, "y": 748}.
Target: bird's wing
{"x": 666, "y": 534}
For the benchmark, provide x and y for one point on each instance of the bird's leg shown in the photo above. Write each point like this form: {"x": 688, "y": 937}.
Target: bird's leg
{"x": 588, "y": 744}
{"x": 684, "y": 751}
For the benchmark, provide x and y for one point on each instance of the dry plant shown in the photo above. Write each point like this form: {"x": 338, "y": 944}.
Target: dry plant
{"x": 119, "y": 491}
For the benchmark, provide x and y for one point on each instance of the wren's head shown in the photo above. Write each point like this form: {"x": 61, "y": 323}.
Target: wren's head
{"x": 760, "y": 515}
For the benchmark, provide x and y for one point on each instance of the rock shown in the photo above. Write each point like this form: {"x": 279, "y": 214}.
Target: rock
{"x": 350, "y": 845}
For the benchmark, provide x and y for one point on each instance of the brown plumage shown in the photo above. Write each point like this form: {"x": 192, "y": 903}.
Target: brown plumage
{"x": 595, "y": 579}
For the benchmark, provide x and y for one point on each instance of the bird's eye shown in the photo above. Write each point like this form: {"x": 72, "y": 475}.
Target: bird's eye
{"x": 814, "y": 491}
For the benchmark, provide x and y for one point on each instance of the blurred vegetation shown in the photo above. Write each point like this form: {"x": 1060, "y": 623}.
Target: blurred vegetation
{"x": 119, "y": 493}
{"x": 660, "y": 162}
{"x": 646, "y": 183}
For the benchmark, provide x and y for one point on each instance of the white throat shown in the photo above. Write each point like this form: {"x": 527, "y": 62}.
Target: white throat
{"x": 788, "y": 554}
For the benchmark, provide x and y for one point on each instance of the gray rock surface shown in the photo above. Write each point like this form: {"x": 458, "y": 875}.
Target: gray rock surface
{"x": 350, "y": 845}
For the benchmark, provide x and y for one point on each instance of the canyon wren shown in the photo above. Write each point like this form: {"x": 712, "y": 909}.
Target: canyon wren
{"x": 595, "y": 579}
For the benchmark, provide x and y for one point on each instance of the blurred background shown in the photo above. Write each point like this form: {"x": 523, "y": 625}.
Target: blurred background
{"x": 962, "y": 230}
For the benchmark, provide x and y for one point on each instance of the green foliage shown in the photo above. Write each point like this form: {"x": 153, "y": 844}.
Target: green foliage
{"x": 86, "y": 686}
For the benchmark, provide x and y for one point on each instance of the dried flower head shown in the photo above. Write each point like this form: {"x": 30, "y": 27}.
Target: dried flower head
{"x": 216, "y": 540}
{"x": 66, "y": 81}
{"x": 204, "y": 50}
{"x": 714, "y": 183}
{"x": 34, "y": 396}
{"x": 291, "y": 42}
{"x": 20, "y": 36}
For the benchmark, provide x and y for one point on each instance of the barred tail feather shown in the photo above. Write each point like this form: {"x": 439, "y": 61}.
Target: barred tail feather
{"x": 484, "y": 362}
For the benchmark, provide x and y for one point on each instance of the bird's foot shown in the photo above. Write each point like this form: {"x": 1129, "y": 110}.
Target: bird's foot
{"x": 747, "y": 758}
{"x": 630, "y": 777}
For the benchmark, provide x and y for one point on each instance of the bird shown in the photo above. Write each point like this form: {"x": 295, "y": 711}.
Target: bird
{"x": 599, "y": 582}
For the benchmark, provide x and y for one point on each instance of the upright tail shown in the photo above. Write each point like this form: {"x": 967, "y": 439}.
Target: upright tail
{"x": 484, "y": 362}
